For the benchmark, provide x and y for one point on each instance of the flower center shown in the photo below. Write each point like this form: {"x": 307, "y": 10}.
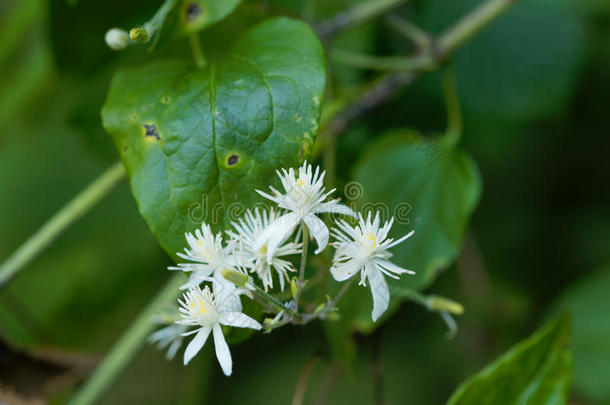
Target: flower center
{"x": 300, "y": 182}
{"x": 372, "y": 240}
{"x": 203, "y": 310}
{"x": 263, "y": 250}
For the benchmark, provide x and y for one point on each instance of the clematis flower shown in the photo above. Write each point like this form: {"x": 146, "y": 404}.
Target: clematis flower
{"x": 170, "y": 337}
{"x": 207, "y": 310}
{"x": 304, "y": 198}
{"x": 364, "y": 249}
{"x": 248, "y": 229}
{"x": 207, "y": 252}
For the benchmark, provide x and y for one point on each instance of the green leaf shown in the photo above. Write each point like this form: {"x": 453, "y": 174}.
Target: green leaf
{"x": 535, "y": 371}
{"x": 426, "y": 185}
{"x": 196, "y": 143}
{"x": 590, "y": 335}
{"x": 176, "y": 18}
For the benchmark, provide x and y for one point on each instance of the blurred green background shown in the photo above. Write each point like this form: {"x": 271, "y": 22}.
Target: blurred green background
{"x": 535, "y": 90}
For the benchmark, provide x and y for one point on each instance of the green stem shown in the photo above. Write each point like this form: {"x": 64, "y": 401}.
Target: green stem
{"x": 409, "y": 30}
{"x": 197, "y": 51}
{"x": 471, "y": 24}
{"x": 452, "y": 101}
{"x": 357, "y": 15}
{"x": 127, "y": 346}
{"x": 274, "y": 301}
{"x": 77, "y": 207}
{"x": 301, "y": 281}
{"x": 364, "y": 61}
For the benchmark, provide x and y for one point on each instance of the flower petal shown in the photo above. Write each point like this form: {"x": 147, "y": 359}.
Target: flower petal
{"x": 196, "y": 344}
{"x": 388, "y": 265}
{"x": 333, "y": 207}
{"x": 222, "y": 351}
{"x": 379, "y": 289}
{"x": 238, "y": 320}
{"x": 319, "y": 230}
{"x": 284, "y": 226}
{"x": 345, "y": 270}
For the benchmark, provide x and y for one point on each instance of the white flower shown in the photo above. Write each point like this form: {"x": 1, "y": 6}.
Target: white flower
{"x": 304, "y": 197}
{"x": 170, "y": 337}
{"x": 208, "y": 310}
{"x": 249, "y": 228}
{"x": 117, "y": 38}
{"x": 364, "y": 249}
{"x": 208, "y": 253}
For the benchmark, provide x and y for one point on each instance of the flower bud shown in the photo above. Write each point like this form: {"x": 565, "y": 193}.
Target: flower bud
{"x": 139, "y": 34}
{"x": 117, "y": 39}
{"x": 441, "y": 304}
{"x": 236, "y": 277}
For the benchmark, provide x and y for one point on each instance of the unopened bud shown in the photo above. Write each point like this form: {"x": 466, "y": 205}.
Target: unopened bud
{"x": 117, "y": 39}
{"x": 293, "y": 287}
{"x": 139, "y": 34}
{"x": 236, "y": 277}
{"x": 441, "y": 304}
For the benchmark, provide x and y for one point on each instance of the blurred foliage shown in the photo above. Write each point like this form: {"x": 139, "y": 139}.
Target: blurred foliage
{"x": 535, "y": 88}
{"x": 586, "y": 302}
{"x": 536, "y": 371}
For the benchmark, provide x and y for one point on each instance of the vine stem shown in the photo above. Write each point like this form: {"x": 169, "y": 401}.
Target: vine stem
{"x": 472, "y": 23}
{"x": 301, "y": 281}
{"x": 452, "y": 101}
{"x": 78, "y": 206}
{"x": 356, "y": 15}
{"x": 198, "y": 55}
{"x": 127, "y": 346}
{"x": 439, "y": 49}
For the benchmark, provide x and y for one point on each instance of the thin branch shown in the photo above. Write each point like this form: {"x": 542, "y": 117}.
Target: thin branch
{"x": 59, "y": 222}
{"x": 356, "y": 15}
{"x": 428, "y": 59}
{"x": 421, "y": 38}
{"x": 299, "y": 392}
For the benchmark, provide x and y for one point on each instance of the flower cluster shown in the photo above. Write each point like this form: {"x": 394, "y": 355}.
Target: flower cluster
{"x": 258, "y": 245}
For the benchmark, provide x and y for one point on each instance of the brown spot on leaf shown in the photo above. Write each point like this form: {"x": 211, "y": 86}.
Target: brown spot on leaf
{"x": 193, "y": 10}
{"x": 151, "y": 130}
{"x": 233, "y": 159}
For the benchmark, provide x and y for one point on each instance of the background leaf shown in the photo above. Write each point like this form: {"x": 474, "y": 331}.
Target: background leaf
{"x": 586, "y": 301}
{"x": 536, "y": 371}
{"x": 196, "y": 143}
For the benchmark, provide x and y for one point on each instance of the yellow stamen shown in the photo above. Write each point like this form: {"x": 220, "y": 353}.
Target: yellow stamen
{"x": 300, "y": 182}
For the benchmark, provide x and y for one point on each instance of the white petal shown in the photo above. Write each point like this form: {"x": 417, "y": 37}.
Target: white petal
{"x": 222, "y": 351}
{"x": 238, "y": 320}
{"x": 319, "y": 230}
{"x": 380, "y": 291}
{"x": 284, "y": 227}
{"x": 396, "y": 242}
{"x": 393, "y": 268}
{"x": 281, "y": 225}
{"x": 196, "y": 344}
{"x": 334, "y": 207}
{"x": 345, "y": 270}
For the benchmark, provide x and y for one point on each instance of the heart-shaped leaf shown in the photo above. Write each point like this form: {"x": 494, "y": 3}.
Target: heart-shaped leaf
{"x": 536, "y": 371}
{"x": 196, "y": 143}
